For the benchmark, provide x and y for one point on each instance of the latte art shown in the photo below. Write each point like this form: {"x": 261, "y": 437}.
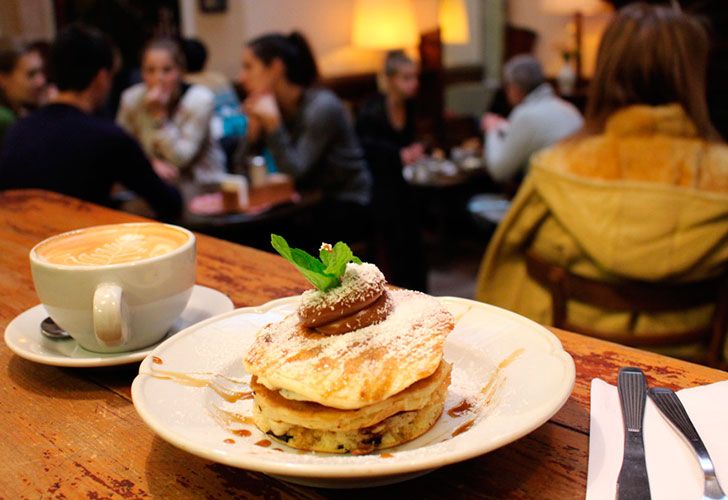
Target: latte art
{"x": 108, "y": 245}
{"x": 125, "y": 248}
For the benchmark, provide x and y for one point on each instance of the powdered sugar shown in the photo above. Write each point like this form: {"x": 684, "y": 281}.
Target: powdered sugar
{"x": 359, "y": 281}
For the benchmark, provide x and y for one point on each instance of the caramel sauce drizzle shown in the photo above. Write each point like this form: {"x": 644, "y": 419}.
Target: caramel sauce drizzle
{"x": 467, "y": 425}
{"x": 157, "y": 360}
{"x": 242, "y": 432}
{"x": 458, "y": 410}
{"x": 229, "y": 441}
{"x": 263, "y": 443}
{"x": 487, "y": 388}
{"x": 494, "y": 382}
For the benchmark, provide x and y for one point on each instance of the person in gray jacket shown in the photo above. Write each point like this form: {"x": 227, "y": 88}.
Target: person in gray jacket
{"x": 539, "y": 119}
{"x": 306, "y": 128}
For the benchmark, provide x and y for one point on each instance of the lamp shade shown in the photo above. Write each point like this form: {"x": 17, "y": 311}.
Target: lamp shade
{"x": 384, "y": 24}
{"x": 569, "y": 7}
{"x": 453, "y": 20}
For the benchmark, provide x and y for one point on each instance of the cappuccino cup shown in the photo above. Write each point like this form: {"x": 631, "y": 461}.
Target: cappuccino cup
{"x": 118, "y": 287}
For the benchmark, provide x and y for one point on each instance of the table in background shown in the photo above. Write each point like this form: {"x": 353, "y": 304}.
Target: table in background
{"x": 75, "y": 433}
{"x": 443, "y": 200}
{"x": 254, "y": 228}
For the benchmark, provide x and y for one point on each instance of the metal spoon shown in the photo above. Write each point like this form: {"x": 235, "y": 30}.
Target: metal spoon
{"x": 50, "y": 329}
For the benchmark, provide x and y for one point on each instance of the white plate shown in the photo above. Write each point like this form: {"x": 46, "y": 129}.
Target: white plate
{"x": 527, "y": 374}
{"x": 24, "y": 338}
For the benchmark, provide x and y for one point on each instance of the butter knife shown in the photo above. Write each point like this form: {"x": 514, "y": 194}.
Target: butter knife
{"x": 632, "y": 482}
{"x": 673, "y": 410}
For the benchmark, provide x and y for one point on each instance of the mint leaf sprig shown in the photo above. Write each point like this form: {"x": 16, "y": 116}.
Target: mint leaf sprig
{"x": 325, "y": 273}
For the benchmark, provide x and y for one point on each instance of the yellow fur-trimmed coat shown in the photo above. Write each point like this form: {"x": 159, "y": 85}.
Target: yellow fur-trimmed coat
{"x": 645, "y": 200}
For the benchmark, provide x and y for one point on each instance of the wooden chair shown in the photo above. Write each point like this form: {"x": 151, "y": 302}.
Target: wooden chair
{"x": 637, "y": 297}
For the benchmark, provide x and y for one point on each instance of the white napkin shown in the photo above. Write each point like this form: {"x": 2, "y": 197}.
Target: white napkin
{"x": 672, "y": 467}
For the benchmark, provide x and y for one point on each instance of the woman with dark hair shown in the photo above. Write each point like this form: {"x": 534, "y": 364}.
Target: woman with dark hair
{"x": 385, "y": 125}
{"x": 22, "y": 82}
{"x": 640, "y": 193}
{"x": 171, "y": 119}
{"x": 306, "y": 128}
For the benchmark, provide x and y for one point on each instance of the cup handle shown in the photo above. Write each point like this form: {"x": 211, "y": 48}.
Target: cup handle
{"x": 110, "y": 315}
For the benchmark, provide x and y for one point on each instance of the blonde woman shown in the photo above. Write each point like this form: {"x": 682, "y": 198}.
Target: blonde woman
{"x": 385, "y": 125}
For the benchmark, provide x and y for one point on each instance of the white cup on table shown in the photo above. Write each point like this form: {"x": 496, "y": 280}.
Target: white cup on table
{"x": 116, "y": 288}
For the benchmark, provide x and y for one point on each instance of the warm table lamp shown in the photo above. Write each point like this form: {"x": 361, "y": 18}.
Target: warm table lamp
{"x": 577, "y": 8}
{"x": 452, "y": 17}
{"x": 384, "y": 24}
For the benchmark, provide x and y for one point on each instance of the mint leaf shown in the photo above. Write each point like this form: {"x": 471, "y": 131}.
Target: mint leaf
{"x": 313, "y": 270}
{"x": 337, "y": 259}
{"x": 326, "y": 256}
{"x": 324, "y": 274}
{"x": 308, "y": 265}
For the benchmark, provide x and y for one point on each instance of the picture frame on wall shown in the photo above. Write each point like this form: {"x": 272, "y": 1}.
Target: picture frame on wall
{"x": 212, "y": 6}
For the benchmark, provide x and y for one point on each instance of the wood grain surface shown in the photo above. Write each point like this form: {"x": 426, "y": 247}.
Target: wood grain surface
{"x": 74, "y": 433}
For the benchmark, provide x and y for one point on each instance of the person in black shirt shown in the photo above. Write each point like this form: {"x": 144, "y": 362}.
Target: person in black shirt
{"x": 385, "y": 125}
{"x": 62, "y": 147}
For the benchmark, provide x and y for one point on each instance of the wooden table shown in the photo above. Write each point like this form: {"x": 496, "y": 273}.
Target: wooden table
{"x": 70, "y": 433}
{"x": 254, "y": 228}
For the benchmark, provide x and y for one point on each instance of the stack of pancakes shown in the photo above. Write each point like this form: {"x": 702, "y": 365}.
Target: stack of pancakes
{"x": 373, "y": 380}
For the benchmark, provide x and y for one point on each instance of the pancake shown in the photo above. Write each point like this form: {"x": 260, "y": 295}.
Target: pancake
{"x": 287, "y": 413}
{"x": 394, "y": 430}
{"x": 355, "y": 369}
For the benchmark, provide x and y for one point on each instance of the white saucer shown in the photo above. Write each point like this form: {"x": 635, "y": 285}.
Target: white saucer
{"x": 24, "y": 338}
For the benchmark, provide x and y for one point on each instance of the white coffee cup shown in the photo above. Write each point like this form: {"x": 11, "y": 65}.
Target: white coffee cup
{"x": 118, "y": 287}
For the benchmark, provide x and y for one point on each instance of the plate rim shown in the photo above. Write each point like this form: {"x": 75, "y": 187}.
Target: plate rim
{"x": 92, "y": 362}
{"x": 347, "y": 471}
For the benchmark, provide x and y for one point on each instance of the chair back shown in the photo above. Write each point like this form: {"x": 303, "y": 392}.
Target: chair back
{"x": 637, "y": 297}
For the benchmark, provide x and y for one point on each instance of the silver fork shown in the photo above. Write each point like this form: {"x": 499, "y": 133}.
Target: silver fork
{"x": 671, "y": 407}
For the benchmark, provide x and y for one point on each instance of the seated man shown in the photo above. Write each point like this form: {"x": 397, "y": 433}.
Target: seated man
{"x": 539, "y": 119}
{"x": 62, "y": 147}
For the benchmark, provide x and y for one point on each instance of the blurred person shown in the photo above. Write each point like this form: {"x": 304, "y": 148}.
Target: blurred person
{"x": 43, "y": 47}
{"x": 63, "y": 147}
{"x": 307, "y": 130}
{"x": 385, "y": 125}
{"x": 640, "y": 193}
{"x": 539, "y": 119}
{"x": 228, "y": 121}
{"x": 171, "y": 120}
{"x": 22, "y": 82}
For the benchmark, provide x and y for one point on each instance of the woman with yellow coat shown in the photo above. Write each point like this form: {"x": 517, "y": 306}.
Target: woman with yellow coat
{"x": 641, "y": 193}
